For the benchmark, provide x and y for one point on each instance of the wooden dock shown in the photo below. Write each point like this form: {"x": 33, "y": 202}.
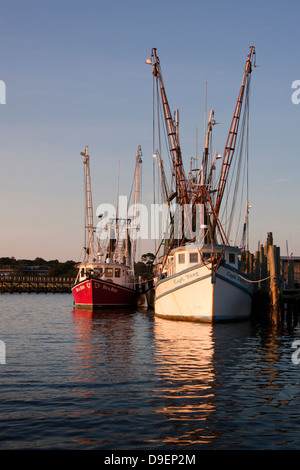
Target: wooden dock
{"x": 290, "y": 305}
{"x": 276, "y": 297}
{"x": 36, "y": 284}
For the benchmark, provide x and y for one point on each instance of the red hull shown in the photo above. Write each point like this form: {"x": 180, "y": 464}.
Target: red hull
{"x": 98, "y": 293}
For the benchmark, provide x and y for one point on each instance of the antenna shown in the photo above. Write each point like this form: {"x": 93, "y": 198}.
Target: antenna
{"x": 117, "y": 211}
{"x": 205, "y": 104}
{"x": 196, "y": 146}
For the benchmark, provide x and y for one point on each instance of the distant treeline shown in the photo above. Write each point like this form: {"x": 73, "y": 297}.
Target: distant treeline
{"x": 143, "y": 268}
{"x": 57, "y": 268}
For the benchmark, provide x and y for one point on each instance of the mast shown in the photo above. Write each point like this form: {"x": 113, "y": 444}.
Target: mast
{"x": 211, "y": 122}
{"x": 89, "y": 226}
{"x": 232, "y": 136}
{"x": 172, "y": 132}
{"x": 164, "y": 187}
{"x": 136, "y": 202}
{"x": 245, "y": 235}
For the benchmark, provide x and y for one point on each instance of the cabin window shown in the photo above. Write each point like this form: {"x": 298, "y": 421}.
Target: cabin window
{"x": 82, "y": 272}
{"x": 181, "y": 258}
{"x": 117, "y": 272}
{"x": 232, "y": 258}
{"x": 108, "y": 272}
{"x": 193, "y": 257}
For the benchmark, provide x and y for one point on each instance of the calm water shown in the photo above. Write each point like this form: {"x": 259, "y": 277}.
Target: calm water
{"x": 125, "y": 380}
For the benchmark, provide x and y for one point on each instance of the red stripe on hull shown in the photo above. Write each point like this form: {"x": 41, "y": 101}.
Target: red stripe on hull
{"x": 94, "y": 292}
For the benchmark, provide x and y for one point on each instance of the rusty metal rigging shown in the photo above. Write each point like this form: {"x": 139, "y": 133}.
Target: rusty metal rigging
{"x": 89, "y": 248}
{"x": 232, "y": 135}
{"x": 172, "y": 132}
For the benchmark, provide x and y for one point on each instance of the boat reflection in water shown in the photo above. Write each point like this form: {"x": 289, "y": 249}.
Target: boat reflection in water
{"x": 191, "y": 358}
{"x": 184, "y": 358}
{"x": 155, "y": 382}
{"x": 104, "y": 330}
{"x": 109, "y": 344}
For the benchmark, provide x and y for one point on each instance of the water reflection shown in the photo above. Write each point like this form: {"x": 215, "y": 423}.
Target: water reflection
{"x": 190, "y": 359}
{"x": 126, "y": 380}
{"x": 165, "y": 384}
{"x": 111, "y": 340}
{"x": 184, "y": 358}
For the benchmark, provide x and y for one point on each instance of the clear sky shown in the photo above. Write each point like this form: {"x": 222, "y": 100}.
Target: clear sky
{"x": 75, "y": 75}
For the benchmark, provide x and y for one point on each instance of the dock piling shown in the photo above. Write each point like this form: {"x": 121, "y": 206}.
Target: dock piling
{"x": 274, "y": 285}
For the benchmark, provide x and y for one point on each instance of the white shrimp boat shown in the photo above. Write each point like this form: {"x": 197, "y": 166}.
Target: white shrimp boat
{"x": 197, "y": 289}
{"x": 203, "y": 277}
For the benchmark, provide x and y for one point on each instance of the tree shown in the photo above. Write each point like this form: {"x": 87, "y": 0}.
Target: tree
{"x": 66, "y": 269}
{"x": 148, "y": 258}
{"x": 144, "y": 267}
{"x": 39, "y": 262}
{"x": 6, "y": 261}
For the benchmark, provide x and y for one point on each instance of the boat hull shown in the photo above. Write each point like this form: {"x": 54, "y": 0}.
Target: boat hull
{"x": 95, "y": 293}
{"x": 197, "y": 295}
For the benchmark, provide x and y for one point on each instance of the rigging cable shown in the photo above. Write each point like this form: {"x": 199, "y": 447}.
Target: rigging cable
{"x": 232, "y": 192}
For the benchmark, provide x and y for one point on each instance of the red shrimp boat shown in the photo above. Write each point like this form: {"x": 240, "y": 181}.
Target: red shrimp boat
{"x": 106, "y": 277}
{"x": 91, "y": 290}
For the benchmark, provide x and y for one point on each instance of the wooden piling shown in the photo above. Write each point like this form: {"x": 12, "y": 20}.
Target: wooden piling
{"x": 263, "y": 269}
{"x": 273, "y": 300}
{"x": 274, "y": 285}
{"x": 256, "y": 266}
{"x": 291, "y": 279}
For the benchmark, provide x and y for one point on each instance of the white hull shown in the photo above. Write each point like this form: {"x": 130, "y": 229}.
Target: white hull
{"x": 195, "y": 295}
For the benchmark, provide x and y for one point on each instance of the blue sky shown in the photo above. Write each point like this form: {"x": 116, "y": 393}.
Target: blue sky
{"x": 75, "y": 75}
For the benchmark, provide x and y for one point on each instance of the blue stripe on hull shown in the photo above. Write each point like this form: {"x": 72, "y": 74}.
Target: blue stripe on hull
{"x": 234, "y": 284}
{"x": 184, "y": 285}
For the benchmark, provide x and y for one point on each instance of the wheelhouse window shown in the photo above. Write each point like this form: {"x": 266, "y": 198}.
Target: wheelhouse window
{"x": 193, "y": 257}
{"x": 108, "y": 272}
{"x": 232, "y": 258}
{"x": 181, "y": 258}
{"x": 117, "y": 272}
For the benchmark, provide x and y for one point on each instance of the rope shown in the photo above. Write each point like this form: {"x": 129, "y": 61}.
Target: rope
{"x": 249, "y": 280}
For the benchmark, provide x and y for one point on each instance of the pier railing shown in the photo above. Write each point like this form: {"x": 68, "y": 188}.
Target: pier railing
{"x": 35, "y": 284}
